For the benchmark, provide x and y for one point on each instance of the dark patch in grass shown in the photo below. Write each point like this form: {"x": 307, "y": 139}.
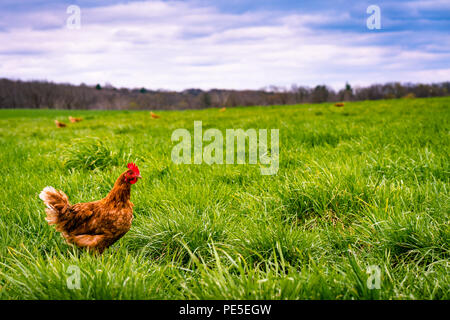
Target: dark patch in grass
{"x": 38, "y": 135}
{"x": 325, "y": 201}
{"x": 126, "y": 129}
{"x": 315, "y": 139}
{"x": 232, "y": 179}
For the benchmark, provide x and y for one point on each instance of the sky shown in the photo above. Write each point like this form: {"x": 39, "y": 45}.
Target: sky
{"x": 226, "y": 44}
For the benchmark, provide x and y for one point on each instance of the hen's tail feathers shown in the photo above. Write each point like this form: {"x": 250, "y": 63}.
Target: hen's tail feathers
{"x": 56, "y": 202}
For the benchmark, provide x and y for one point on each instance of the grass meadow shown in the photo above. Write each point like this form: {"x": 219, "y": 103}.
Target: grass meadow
{"x": 358, "y": 186}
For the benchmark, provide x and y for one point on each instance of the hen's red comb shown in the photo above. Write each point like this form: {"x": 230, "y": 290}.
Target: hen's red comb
{"x": 133, "y": 167}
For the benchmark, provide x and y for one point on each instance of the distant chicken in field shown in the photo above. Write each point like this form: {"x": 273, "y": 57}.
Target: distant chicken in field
{"x": 154, "y": 116}
{"x": 93, "y": 225}
{"x": 73, "y": 120}
{"x": 60, "y": 124}
{"x": 339, "y": 104}
{"x": 222, "y": 109}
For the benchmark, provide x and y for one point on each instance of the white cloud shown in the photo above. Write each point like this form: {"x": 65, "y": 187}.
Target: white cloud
{"x": 178, "y": 45}
{"x": 428, "y": 4}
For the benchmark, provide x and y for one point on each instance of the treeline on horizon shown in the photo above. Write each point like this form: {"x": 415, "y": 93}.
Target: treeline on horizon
{"x": 49, "y": 95}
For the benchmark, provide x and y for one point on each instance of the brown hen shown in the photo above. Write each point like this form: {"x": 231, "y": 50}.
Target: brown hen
{"x": 93, "y": 225}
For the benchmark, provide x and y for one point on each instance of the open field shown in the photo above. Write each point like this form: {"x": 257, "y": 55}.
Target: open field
{"x": 358, "y": 186}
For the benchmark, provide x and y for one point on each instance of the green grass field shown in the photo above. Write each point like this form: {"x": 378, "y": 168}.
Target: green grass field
{"x": 358, "y": 186}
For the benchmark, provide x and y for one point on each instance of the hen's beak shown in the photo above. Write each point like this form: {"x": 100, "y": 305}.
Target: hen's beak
{"x": 139, "y": 177}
